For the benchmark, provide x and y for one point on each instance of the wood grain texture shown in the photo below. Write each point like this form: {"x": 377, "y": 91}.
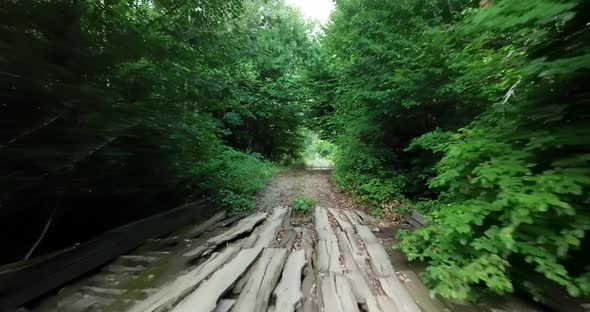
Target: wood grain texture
{"x": 288, "y": 292}
{"x": 243, "y": 226}
{"x": 205, "y": 297}
{"x": 256, "y": 294}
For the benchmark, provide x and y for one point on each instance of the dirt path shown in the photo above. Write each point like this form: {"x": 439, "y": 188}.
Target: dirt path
{"x": 287, "y": 185}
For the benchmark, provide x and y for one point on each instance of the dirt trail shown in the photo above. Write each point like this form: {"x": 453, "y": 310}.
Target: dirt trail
{"x": 287, "y": 185}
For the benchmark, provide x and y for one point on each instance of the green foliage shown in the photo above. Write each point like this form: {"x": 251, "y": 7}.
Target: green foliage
{"x": 482, "y": 114}
{"x": 116, "y": 110}
{"x": 240, "y": 176}
{"x": 305, "y": 206}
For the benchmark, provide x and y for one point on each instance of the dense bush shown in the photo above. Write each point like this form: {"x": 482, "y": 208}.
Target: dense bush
{"x": 115, "y": 110}
{"x": 478, "y": 115}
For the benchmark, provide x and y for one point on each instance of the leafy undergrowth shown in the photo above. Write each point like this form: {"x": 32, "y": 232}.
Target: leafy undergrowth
{"x": 304, "y": 206}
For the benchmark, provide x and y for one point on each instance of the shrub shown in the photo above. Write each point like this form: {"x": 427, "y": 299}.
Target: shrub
{"x": 305, "y": 206}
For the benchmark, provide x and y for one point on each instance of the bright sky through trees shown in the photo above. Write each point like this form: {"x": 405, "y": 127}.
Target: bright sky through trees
{"x": 314, "y": 9}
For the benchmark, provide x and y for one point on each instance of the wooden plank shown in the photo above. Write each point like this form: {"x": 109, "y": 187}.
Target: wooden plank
{"x": 328, "y": 257}
{"x": 382, "y": 303}
{"x": 341, "y": 219}
{"x": 197, "y": 251}
{"x": 243, "y": 226}
{"x": 263, "y": 237}
{"x": 383, "y": 269}
{"x": 225, "y": 305}
{"x": 353, "y": 218}
{"x": 308, "y": 287}
{"x": 378, "y": 258}
{"x": 336, "y": 294}
{"x": 400, "y": 296}
{"x": 172, "y": 293}
{"x": 206, "y": 296}
{"x": 103, "y": 291}
{"x": 322, "y": 225}
{"x": 365, "y": 218}
{"x": 420, "y": 293}
{"x": 199, "y": 229}
{"x": 23, "y": 281}
{"x": 266, "y": 272}
{"x": 288, "y": 239}
{"x": 139, "y": 258}
{"x": 269, "y": 232}
{"x": 414, "y": 223}
{"x": 419, "y": 217}
{"x": 359, "y": 282}
{"x": 351, "y": 238}
{"x": 288, "y": 292}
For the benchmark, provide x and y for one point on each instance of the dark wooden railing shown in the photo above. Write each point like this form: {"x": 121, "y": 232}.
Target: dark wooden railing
{"x": 24, "y": 281}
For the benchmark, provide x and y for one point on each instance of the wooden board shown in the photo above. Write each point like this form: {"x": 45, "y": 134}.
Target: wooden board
{"x": 400, "y": 296}
{"x": 420, "y": 293}
{"x": 328, "y": 257}
{"x": 26, "y": 280}
{"x": 172, "y": 293}
{"x": 271, "y": 228}
{"x": 359, "y": 282}
{"x": 378, "y": 258}
{"x": 205, "y": 297}
{"x": 308, "y": 287}
{"x": 288, "y": 292}
{"x": 243, "y": 226}
{"x": 336, "y": 294}
{"x": 199, "y": 229}
{"x": 256, "y": 294}
{"x": 353, "y": 218}
{"x": 225, "y": 305}
{"x": 322, "y": 225}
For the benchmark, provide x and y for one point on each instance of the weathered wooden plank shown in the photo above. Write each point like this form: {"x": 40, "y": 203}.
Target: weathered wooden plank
{"x": 288, "y": 239}
{"x": 308, "y": 287}
{"x": 206, "y": 296}
{"x": 139, "y": 258}
{"x": 224, "y": 305}
{"x": 383, "y": 269}
{"x": 378, "y": 258}
{"x": 400, "y": 296}
{"x": 340, "y": 218}
{"x": 243, "y": 226}
{"x": 351, "y": 238}
{"x": 414, "y": 223}
{"x": 269, "y": 231}
{"x": 328, "y": 257}
{"x": 382, "y": 303}
{"x": 419, "y": 217}
{"x": 264, "y": 277}
{"x": 199, "y": 229}
{"x": 263, "y": 237}
{"x": 353, "y": 218}
{"x": 420, "y": 293}
{"x": 322, "y": 225}
{"x": 336, "y": 294}
{"x": 288, "y": 292}
{"x": 104, "y": 291}
{"x": 359, "y": 282}
{"x": 185, "y": 284}
{"x": 197, "y": 251}
{"x": 363, "y": 217}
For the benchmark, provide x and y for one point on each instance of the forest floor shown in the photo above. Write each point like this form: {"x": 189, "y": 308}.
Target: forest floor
{"x": 275, "y": 259}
